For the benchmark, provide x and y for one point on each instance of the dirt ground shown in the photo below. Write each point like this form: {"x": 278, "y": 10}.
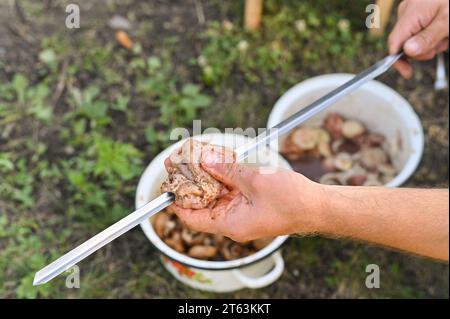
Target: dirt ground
{"x": 129, "y": 267}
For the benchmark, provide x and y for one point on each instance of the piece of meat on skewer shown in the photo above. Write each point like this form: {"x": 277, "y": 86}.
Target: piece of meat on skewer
{"x": 192, "y": 185}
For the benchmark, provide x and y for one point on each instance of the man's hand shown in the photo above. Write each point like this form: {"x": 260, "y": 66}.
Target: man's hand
{"x": 284, "y": 202}
{"x": 422, "y": 31}
{"x": 257, "y": 205}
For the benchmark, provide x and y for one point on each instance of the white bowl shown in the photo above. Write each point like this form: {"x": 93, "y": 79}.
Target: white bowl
{"x": 379, "y": 107}
{"x": 254, "y": 271}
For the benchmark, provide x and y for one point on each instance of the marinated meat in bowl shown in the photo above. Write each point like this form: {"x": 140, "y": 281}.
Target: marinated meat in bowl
{"x": 339, "y": 151}
{"x": 201, "y": 245}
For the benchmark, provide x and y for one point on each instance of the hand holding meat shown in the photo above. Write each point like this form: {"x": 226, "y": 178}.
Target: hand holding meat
{"x": 250, "y": 205}
{"x": 193, "y": 186}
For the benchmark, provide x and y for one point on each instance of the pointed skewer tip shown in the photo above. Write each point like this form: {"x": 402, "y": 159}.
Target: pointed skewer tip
{"x": 37, "y": 281}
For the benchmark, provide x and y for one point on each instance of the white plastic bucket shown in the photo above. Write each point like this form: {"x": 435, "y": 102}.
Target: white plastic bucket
{"x": 254, "y": 271}
{"x": 378, "y": 106}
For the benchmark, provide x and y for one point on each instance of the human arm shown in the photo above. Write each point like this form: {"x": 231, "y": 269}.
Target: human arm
{"x": 414, "y": 220}
{"x": 284, "y": 202}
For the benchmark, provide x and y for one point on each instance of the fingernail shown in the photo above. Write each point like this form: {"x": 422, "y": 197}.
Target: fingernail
{"x": 412, "y": 46}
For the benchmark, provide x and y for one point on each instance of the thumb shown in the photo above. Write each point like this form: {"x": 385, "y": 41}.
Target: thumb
{"x": 231, "y": 174}
{"x": 426, "y": 40}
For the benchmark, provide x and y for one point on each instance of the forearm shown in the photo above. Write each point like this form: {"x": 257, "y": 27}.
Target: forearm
{"x": 415, "y": 220}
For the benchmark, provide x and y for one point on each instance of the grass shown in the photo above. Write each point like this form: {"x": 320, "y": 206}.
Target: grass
{"x": 81, "y": 117}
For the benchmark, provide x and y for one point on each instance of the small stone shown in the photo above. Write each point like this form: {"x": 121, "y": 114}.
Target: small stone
{"x": 202, "y": 61}
{"x": 227, "y": 25}
{"x": 119, "y": 23}
{"x": 69, "y": 150}
{"x": 300, "y": 25}
{"x": 242, "y": 45}
{"x": 344, "y": 25}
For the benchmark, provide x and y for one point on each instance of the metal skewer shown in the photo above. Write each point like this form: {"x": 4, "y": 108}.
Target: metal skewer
{"x": 159, "y": 203}
{"x": 317, "y": 106}
{"x": 441, "y": 81}
{"x": 66, "y": 261}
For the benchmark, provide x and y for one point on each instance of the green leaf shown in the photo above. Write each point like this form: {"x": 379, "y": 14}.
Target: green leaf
{"x": 137, "y": 63}
{"x": 121, "y": 103}
{"x": 20, "y": 84}
{"x": 77, "y": 96}
{"x": 154, "y": 63}
{"x": 95, "y": 110}
{"x": 190, "y": 89}
{"x": 43, "y": 113}
{"x": 3, "y": 226}
{"x": 115, "y": 158}
{"x": 5, "y": 164}
{"x": 150, "y": 135}
{"x": 24, "y": 195}
{"x": 76, "y": 178}
{"x": 28, "y": 291}
{"x": 90, "y": 94}
{"x": 48, "y": 57}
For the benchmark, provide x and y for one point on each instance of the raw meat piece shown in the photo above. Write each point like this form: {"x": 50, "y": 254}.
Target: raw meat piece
{"x": 194, "y": 187}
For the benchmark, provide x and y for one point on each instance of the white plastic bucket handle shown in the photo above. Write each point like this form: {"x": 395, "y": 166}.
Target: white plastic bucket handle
{"x": 266, "y": 279}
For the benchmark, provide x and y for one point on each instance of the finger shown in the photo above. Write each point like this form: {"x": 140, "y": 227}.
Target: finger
{"x": 224, "y": 191}
{"x": 442, "y": 46}
{"x": 167, "y": 163}
{"x": 426, "y": 56}
{"x": 401, "y": 8}
{"x": 196, "y": 219}
{"x": 227, "y": 202}
{"x": 404, "y": 68}
{"x": 231, "y": 174}
{"x": 210, "y": 220}
{"x": 231, "y": 204}
{"x": 406, "y": 26}
{"x": 427, "y": 39}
